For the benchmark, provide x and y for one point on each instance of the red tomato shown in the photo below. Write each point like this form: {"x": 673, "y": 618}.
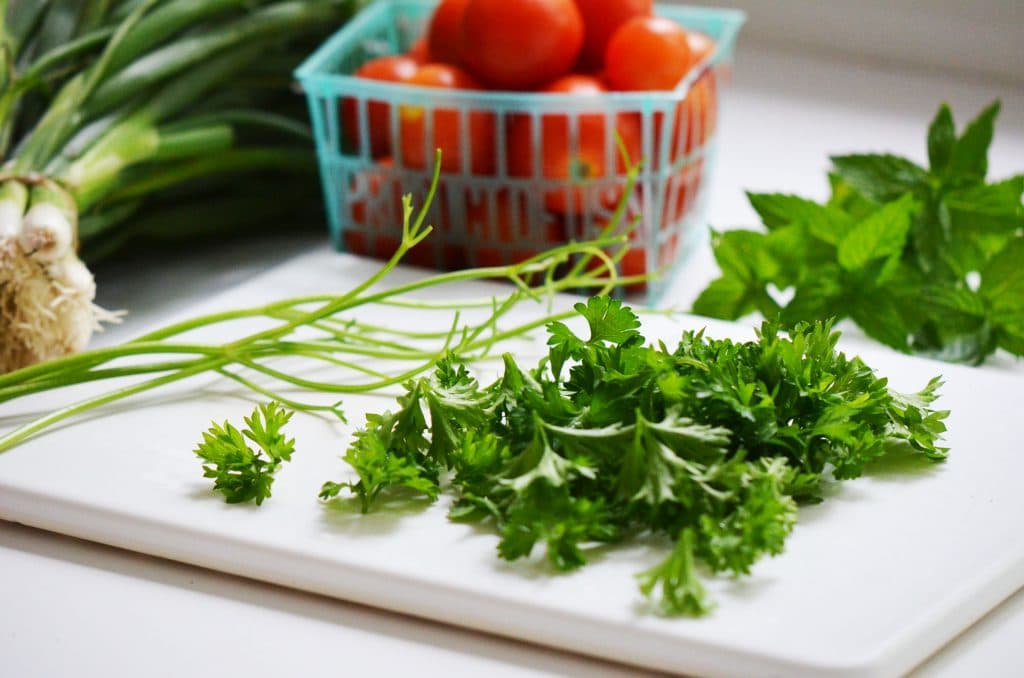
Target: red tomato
{"x": 681, "y": 193}
{"x": 701, "y": 45}
{"x": 388, "y": 69}
{"x": 521, "y": 44}
{"x": 695, "y": 118}
{"x": 447, "y": 126}
{"x": 633, "y": 263}
{"x": 419, "y": 51}
{"x": 368, "y": 187}
{"x": 601, "y": 18}
{"x": 572, "y": 163}
{"x": 701, "y": 106}
{"x": 702, "y": 102}
{"x": 444, "y": 31}
{"x": 648, "y": 53}
{"x": 505, "y": 233}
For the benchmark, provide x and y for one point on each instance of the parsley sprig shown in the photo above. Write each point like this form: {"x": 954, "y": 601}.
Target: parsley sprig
{"x": 925, "y": 260}
{"x": 240, "y": 473}
{"x": 713, "y": 443}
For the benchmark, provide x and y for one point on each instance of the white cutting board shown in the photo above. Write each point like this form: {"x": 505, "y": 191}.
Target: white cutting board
{"x": 873, "y": 581}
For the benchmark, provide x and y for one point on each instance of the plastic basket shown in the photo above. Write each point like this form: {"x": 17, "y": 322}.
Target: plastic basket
{"x": 495, "y": 205}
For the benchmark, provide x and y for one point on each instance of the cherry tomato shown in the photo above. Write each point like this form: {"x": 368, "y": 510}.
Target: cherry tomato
{"x": 388, "y": 69}
{"x": 521, "y": 44}
{"x": 447, "y": 126}
{"x": 681, "y": 193}
{"x": 702, "y": 112}
{"x": 697, "y": 116}
{"x": 506, "y": 231}
{"x": 601, "y": 18}
{"x": 702, "y": 102}
{"x": 633, "y": 263}
{"x": 574, "y": 164}
{"x": 648, "y": 53}
{"x": 365, "y": 191}
{"x": 419, "y": 51}
{"x": 444, "y": 32}
{"x": 701, "y": 45}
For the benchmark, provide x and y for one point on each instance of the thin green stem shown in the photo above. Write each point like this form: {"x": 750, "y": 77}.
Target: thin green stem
{"x": 38, "y": 386}
{"x": 284, "y": 400}
{"x": 96, "y": 357}
{"x": 355, "y": 367}
{"x": 21, "y": 434}
{"x": 281, "y": 347}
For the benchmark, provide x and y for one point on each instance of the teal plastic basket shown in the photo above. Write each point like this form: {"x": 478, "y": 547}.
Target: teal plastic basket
{"x": 494, "y": 211}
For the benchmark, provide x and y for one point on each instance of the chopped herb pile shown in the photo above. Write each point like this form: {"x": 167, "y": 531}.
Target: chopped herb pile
{"x": 924, "y": 260}
{"x": 240, "y": 473}
{"x": 713, "y": 443}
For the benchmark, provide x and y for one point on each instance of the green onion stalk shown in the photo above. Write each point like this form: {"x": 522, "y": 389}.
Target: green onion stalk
{"x": 115, "y": 111}
{"x": 307, "y": 334}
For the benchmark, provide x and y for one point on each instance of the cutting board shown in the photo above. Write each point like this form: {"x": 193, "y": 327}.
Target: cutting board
{"x": 885, "y": 572}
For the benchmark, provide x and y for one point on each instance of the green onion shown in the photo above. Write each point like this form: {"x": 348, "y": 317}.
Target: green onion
{"x": 107, "y": 120}
{"x": 324, "y": 330}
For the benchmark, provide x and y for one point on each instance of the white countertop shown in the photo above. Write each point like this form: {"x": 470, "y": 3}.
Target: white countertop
{"x": 71, "y": 607}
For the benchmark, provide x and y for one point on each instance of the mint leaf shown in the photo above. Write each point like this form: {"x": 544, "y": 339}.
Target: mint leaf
{"x": 941, "y": 140}
{"x": 820, "y": 296}
{"x": 743, "y": 254}
{"x": 880, "y": 177}
{"x": 778, "y": 210}
{"x": 1002, "y": 282}
{"x": 727, "y": 298}
{"x": 848, "y": 199}
{"x": 882, "y": 319}
{"x": 883, "y": 234}
{"x": 988, "y": 207}
{"x": 796, "y": 253}
{"x": 957, "y": 308}
{"x": 1011, "y": 338}
{"x": 969, "y": 160}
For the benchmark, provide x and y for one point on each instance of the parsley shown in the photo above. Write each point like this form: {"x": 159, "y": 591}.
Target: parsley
{"x": 239, "y": 473}
{"x": 923, "y": 260}
{"x": 712, "y": 444}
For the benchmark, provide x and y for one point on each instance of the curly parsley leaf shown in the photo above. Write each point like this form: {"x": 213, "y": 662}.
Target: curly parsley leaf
{"x": 241, "y": 473}
{"x": 712, "y": 443}
{"x": 390, "y": 452}
{"x": 681, "y": 591}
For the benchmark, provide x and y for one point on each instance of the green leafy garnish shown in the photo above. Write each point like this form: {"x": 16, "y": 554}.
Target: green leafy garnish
{"x": 240, "y": 473}
{"x": 923, "y": 260}
{"x": 712, "y": 444}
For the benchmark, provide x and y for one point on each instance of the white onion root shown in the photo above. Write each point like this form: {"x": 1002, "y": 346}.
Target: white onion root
{"x": 46, "y": 292}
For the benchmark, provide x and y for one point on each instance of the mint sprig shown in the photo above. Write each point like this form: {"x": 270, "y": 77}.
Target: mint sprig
{"x": 925, "y": 260}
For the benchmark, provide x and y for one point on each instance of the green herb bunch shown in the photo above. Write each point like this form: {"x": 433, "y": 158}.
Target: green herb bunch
{"x": 712, "y": 444}
{"x": 927, "y": 261}
{"x": 162, "y": 119}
